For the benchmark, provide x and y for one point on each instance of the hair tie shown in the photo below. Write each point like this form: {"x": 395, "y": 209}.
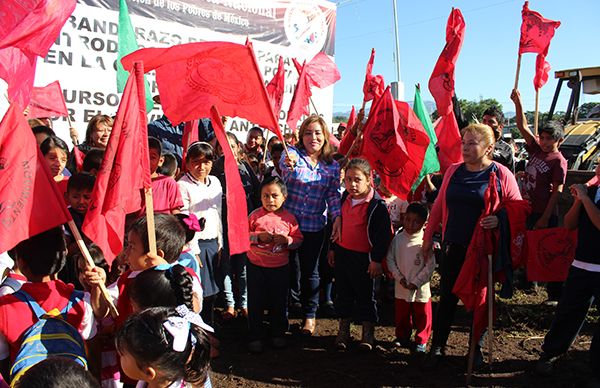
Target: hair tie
{"x": 165, "y": 267}
{"x": 179, "y": 328}
{"x": 192, "y": 317}
{"x": 192, "y": 222}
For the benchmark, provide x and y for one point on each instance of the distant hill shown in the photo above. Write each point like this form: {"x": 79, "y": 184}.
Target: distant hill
{"x": 429, "y": 105}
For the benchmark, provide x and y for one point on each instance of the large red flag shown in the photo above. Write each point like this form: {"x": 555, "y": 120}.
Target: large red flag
{"x": 237, "y": 211}
{"x": 47, "y": 101}
{"x": 550, "y": 254}
{"x": 441, "y": 82}
{"x": 30, "y": 30}
{"x": 190, "y": 135}
{"x": 276, "y": 87}
{"x": 374, "y": 85}
{"x": 348, "y": 138}
{"x": 542, "y": 68}
{"x": 124, "y": 172}
{"x": 193, "y": 77}
{"x": 300, "y": 100}
{"x": 30, "y": 202}
{"x": 536, "y": 32}
{"x": 382, "y": 144}
{"x": 321, "y": 70}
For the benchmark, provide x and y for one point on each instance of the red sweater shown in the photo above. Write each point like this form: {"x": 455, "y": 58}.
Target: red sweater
{"x": 279, "y": 222}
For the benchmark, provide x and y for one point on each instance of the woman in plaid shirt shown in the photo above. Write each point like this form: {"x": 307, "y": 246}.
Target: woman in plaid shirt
{"x": 313, "y": 181}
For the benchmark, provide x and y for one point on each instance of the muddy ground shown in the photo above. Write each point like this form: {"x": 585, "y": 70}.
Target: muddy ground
{"x": 313, "y": 361}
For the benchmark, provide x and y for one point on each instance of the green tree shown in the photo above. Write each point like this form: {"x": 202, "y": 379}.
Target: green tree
{"x": 340, "y": 119}
{"x": 473, "y": 109}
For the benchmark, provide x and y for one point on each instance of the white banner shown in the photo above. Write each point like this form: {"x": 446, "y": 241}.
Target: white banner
{"x": 83, "y": 58}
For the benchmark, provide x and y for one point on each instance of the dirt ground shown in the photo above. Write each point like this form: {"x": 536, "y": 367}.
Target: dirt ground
{"x": 314, "y": 362}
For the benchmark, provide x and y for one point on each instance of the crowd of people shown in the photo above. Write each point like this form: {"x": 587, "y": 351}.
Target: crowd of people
{"x": 325, "y": 234}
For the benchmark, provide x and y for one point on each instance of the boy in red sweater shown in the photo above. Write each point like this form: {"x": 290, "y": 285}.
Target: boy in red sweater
{"x": 273, "y": 233}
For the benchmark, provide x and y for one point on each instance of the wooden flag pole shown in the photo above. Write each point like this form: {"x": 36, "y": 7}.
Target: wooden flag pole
{"x": 73, "y": 134}
{"x": 359, "y": 125}
{"x": 490, "y": 303}
{"x": 84, "y": 251}
{"x": 518, "y": 71}
{"x": 472, "y": 344}
{"x": 537, "y": 112}
{"x": 150, "y": 220}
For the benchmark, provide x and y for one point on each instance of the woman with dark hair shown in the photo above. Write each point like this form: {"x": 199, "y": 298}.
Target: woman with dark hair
{"x": 457, "y": 208}
{"x": 313, "y": 181}
{"x": 96, "y": 136}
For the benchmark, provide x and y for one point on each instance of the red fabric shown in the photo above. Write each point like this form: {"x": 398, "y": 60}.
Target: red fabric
{"x": 374, "y": 85}
{"x": 471, "y": 286}
{"x": 413, "y": 315}
{"x": 321, "y": 70}
{"x": 237, "y": 210}
{"x": 351, "y": 118}
{"x": 276, "y": 88}
{"x": 16, "y": 316}
{"x": 550, "y": 254}
{"x": 300, "y": 100}
{"x": 355, "y": 233}
{"x": 29, "y": 30}
{"x": 517, "y": 212}
{"x": 441, "y": 82}
{"x": 348, "y": 138}
{"x": 193, "y": 77}
{"x": 190, "y": 135}
{"x": 594, "y": 181}
{"x": 542, "y": 68}
{"x": 25, "y": 180}
{"x": 79, "y": 156}
{"x": 536, "y": 32}
{"x": 166, "y": 196}
{"x": 47, "y": 101}
{"x": 124, "y": 172}
{"x": 449, "y": 142}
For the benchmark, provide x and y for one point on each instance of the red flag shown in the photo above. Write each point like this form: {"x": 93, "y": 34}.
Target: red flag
{"x": 542, "y": 68}
{"x": 351, "y": 118}
{"x": 374, "y": 85}
{"x": 348, "y": 138}
{"x": 47, "y": 101}
{"x": 124, "y": 172}
{"x": 536, "y": 32}
{"x": 190, "y": 135}
{"x": 441, "y": 82}
{"x": 30, "y": 31}
{"x": 237, "y": 211}
{"x": 25, "y": 180}
{"x": 276, "y": 87}
{"x": 300, "y": 100}
{"x": 471, "y": 286}
{"x": 321, "y": 70}
{"x": 449, "y": 148}
{"x": 550, "y": 254}
{"x": 193, "y": 77}
{"x": 297, "y": 65}
{"x": 79, "y": 156}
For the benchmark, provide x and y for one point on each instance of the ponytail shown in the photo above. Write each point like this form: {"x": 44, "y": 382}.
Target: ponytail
{"x": 170, "y": 288}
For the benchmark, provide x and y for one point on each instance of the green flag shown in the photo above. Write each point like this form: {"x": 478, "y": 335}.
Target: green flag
{"x": 431, "y": 163}
{"x": 127, "y": 45}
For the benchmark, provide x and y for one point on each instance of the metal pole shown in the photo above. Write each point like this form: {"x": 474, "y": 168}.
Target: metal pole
{"x": 397, "y": 41}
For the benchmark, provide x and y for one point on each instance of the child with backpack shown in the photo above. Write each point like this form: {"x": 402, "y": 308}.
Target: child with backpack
{"x": 165, "y": 347}
{"x": 358, "y": 252}
{"x": 43, "y": 306}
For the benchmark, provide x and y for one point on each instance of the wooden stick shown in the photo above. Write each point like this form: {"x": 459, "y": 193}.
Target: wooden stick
{"x": 490, "y": 303}
{"x": 73, "y": 134}
{"x": 537, "y": 112}
{"x": 518, "y": 71}
{"x": 472, "y": 344}
{"x": 359, "y": 125}
{"x": 111, "y": 307}
{"x": 150, "y": 220}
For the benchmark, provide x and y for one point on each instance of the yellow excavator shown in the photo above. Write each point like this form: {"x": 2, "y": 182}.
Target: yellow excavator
{"x": 581, "y": 146}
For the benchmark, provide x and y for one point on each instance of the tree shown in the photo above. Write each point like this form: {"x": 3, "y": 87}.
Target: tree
{"x": 473, "y": 109}
{"x": 340, "y": 119}
{"x": 587, "y": 108}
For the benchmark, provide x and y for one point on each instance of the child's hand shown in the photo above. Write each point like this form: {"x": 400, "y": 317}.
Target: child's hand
{"x": 265, "y": 237}
{"x": 411, "y": 286}
{"x": 515, "y": 96}
{"x": 426, "y": 249}
{"x": 280, "y": 239}
{"x": 374, "y": 269}
{"x": 578, "y": 191}
{"x": 489, "y": 222}
{"x": 403, "y": 283}
{"x": 331, "y": 258}
{"x": 94, "y": 276}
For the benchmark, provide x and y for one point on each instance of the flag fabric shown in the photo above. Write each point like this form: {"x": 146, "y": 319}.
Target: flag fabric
{"x": 441, "y": 82}
{"x": 47, "y": 101}
{"x": 29, "y": 30}
{"x": 190, "y": 135}
{"x": 536, "y": 32}
{"x": 30, "y": 201}
{"x": 276, "y": 87}
{"x": 471, "y": 285}
{"x": 441, "y": 86}
{"x": 542, "y": 68}
{"x": 550, "y": 253}
{"x": 374, "y": 85}
{"x": 348, "y": 138}
{"x": 300, "y": 100}
{"x": 193, "y": 77}
{"x": 237, "y": 211}
{"x": 449, "y": 148}
{"x": 394, "y": 143}
{"x": 127, "y": 43}
{"x": 79, "y": 156}
{"x": 124, "y": 172}
{"x": 351, "y": 118}
{"x": 431, "y": 163}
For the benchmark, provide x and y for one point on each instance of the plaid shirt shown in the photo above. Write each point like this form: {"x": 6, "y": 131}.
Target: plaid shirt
{"x": 311, "y": 191}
